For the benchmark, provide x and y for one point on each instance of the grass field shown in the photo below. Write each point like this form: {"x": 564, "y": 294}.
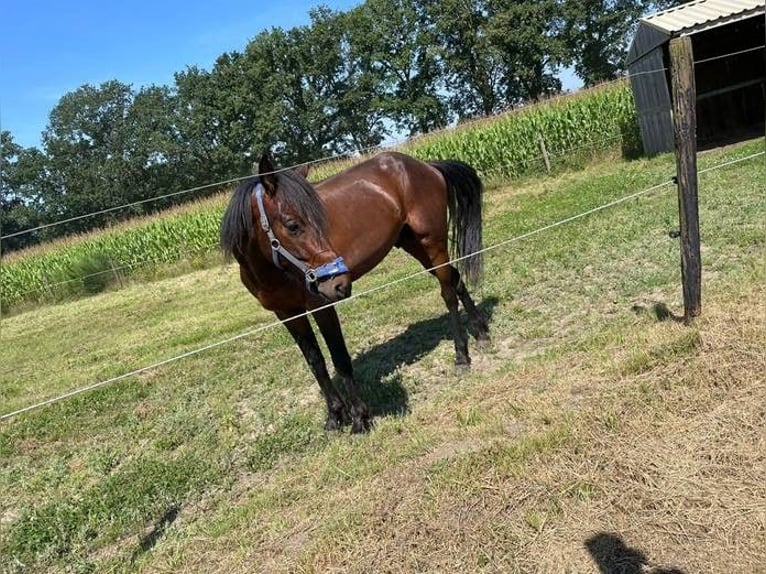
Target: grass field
{"x": 596, "y": 434}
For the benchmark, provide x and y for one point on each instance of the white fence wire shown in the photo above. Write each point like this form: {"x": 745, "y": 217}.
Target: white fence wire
{"x": 409, "y": 277}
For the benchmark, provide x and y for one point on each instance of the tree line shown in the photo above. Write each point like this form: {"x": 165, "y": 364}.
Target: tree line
{"x": 345, "y": 81}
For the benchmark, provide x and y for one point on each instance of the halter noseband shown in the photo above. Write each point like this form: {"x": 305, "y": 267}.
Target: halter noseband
{"x": 313, "y": 276}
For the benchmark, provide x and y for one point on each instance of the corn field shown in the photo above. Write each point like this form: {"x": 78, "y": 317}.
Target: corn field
{"x": 89, "y": 263}
{"x": 511, "y": 145}
{"x": 596, "y": 121}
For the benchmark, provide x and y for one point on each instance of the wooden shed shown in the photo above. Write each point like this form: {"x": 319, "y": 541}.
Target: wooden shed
{"x": 728, "y": 44}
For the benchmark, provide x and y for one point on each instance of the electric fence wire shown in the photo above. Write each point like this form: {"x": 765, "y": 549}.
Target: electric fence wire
{"x": 503, "y": 169}
{"x": 409, "y": 277}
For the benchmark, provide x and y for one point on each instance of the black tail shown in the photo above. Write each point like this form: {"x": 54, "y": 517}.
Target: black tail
{"x": 464, "y": 191}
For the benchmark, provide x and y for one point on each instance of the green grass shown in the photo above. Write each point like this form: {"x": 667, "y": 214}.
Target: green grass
{"x": 218, "y": 462}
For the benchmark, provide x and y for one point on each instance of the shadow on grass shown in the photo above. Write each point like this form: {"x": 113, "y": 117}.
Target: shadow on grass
{"x": 659, "y": 311}
{"x": 149, "y": 541}
{"x": 377, "y": 369}
{"x": 613, "y": 556}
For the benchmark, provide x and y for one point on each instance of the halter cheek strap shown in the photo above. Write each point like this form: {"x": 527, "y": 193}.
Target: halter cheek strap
{"x": 313, "y": 276}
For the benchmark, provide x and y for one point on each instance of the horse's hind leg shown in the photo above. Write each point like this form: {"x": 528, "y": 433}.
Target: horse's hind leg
{"x": 449, "y": 279}
{"x": 479, "y": 326}
{"x": 451, "y": 288}
{"x": 303, "y": 334}
{"x": 329, "y": 326}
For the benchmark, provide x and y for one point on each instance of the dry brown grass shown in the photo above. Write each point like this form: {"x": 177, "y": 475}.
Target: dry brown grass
{"x": 573, "y": 465}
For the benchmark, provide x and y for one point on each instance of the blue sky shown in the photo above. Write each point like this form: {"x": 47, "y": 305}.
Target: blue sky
{"x": 49, "y": 48}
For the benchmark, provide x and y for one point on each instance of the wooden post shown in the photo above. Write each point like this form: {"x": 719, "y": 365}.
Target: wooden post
{"x": 117, "y": 275}
{"x": 545, "y": 153}
{"x": 685, "y": 133}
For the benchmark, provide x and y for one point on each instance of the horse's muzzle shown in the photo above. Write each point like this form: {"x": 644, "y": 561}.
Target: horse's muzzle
{"x": 331, "y": 280}
{"x": 328, "y": 270}
{"x": 333, "y": 288}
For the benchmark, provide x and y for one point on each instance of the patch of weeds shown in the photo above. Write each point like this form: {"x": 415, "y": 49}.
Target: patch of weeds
{"x": 471, "y": 418}
{"x": 517, "y": 410}
{"x": 583, "y": 491}
{"x": 546, "y": 419}
{"x": 298, "y": 433}
{"x": 89, "y": 274}
{"x": 500, "y": 456}
{"x": 526, "y": 447}
{"x": 196, "y": 337}
{"x": 120, "y": 504}
{"x": 611, "y": 421}
{"x": 53, "y": 474}
{"x": 647, "y": 393}
{"x": 103, "y": 460}
{"x": 96, "y": 412}
{"x": 9, "y": 390}
{"x": 644, "y": 360}
{"x": 535, "y": 520}
{"x": 178, "y": 430}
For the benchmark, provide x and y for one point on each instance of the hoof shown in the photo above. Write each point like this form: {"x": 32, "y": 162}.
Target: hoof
{"x": 336, "y": 420}
{"x": 333, "y": 424}
{"x": 362, "y": 425}
{"x": 462, "y": 368}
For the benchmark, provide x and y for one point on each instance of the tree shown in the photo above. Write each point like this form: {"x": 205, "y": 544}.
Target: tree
{"x": 107, "y": 146}
{"x": 474, "y": 69}
{"x": 528, "y": 33}
{"x": 597, "y": 34}
{"x": 289, "y": 112}
{"x": 21, "y": 178}
{"x": 212, "y": 120}
{"x": 396, "y": 41}
{"x": 315, "y": 80}
{"x": 663, "y": 4}
{"x": 157, "y": 160}
{"x": 352, "y": 86}
{"x": 312, "y": 96}
{"x": 85, "y": 146}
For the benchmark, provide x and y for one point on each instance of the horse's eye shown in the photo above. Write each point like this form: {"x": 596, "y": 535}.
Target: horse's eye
{"x": 293, "y": 227}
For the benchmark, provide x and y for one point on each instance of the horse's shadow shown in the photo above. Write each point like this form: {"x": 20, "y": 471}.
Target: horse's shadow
{"x": 613, "y": 556}
{"x": 151, "y": 539}
{"x": 377, "y": 369}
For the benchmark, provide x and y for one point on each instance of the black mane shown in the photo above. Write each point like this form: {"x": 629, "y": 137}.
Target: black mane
{"x": 298, "y": 193}
{"x": 293, "y": 190}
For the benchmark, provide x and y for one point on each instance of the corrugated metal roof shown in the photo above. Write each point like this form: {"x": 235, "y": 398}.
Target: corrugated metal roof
{"x": 703, "y": 14}
{"x": 689, "y": 18}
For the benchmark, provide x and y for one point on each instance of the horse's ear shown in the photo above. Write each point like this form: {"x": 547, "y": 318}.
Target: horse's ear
{"x": 266, "y": 174}
{"x": 302, "y": 170}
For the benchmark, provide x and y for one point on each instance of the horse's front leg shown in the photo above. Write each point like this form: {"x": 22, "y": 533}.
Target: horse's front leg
{"x": 303, "y": 334}
{"x": 329, "y": 326}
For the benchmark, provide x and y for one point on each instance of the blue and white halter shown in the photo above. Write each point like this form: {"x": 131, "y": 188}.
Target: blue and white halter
{"x": 313, "y": 276}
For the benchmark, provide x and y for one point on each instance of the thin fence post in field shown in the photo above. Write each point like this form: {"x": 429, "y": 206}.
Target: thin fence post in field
{"x": 116, "y": 273}
{"x": 685, "y": 134}
{"x": 544, "y": 151}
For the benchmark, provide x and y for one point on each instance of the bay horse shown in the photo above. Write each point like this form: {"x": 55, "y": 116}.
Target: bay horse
{"x": 300, "y": 247}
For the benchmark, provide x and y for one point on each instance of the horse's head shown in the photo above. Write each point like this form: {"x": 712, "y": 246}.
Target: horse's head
{"x": 294, "y": 226}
